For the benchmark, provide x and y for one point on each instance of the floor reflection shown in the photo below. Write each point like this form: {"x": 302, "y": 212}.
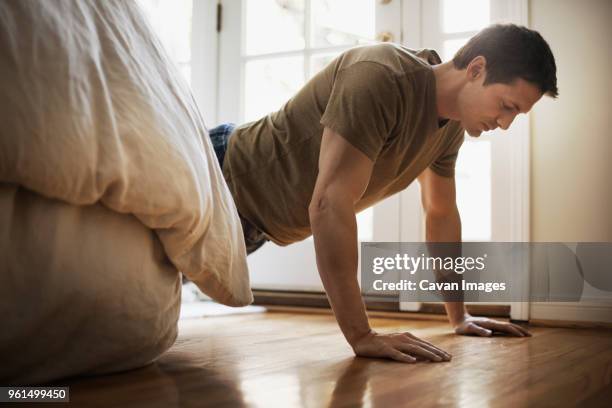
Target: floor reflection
{"x": 175, "y": 380}
{"x": 352, "y": 386}
{"x": 287, "y": 363}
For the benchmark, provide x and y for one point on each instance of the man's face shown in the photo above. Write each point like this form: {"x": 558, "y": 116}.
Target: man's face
{"x": 483, "y": 108}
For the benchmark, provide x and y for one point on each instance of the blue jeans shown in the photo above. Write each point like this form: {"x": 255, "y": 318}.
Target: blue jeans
{"x": 219, "y": 136}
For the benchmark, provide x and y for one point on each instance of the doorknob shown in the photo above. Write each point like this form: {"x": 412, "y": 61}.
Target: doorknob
{"x": 384, "y": 36}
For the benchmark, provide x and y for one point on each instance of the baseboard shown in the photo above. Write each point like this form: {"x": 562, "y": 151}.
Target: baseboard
{"x": 563, "y": 315}
{"x": 584, "y": 314}
{"x": 371, "y": 313}
{"x": 373, "y": 303}
{"x": 568, "y": 324}
{"x": 474, "y": 309}
{"x": 318, "y": 300}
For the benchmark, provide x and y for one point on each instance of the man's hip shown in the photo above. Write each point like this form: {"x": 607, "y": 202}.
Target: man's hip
{"x": 219, "y": 136}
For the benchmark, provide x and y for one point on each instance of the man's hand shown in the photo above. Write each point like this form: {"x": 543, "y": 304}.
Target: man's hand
{"x": 482, "y": 326}
{"x": 344, "y": 174}
{"x": 443, "y": 224}
{"x": 403, "y": 347}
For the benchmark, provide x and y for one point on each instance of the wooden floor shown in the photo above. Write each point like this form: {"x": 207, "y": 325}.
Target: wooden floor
{"x": 279, "y": 359}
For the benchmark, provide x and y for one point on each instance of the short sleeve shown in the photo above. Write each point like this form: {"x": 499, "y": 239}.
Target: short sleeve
{"x": 363, "y": 106}
{"x": 444, "y": 165}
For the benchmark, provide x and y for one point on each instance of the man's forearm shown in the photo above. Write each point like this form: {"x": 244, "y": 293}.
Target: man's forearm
{"x": 447, "y": 228}
{"x": 335, "y": 236}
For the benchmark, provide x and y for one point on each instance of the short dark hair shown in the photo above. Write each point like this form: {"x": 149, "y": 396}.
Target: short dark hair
{"x": 512, "y": 52}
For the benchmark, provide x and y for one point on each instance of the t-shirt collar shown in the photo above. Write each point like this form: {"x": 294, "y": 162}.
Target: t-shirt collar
{"x": 431, "y": 57}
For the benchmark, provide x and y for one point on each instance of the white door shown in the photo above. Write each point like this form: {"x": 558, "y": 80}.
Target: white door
{"x": 268, "y": 49}
{"x": 492, "y": 170}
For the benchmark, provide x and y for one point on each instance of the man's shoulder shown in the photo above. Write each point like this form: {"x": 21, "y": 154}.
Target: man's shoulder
{"x": 395, "y": 57}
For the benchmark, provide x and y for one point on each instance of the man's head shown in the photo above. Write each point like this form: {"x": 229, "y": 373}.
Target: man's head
{"x": 507, "y": 68}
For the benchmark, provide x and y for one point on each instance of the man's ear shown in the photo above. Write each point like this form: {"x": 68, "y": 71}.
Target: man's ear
{"x": 477, "y": 68}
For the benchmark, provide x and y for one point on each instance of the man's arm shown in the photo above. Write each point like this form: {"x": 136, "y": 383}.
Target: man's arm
{"x": 443, "y": 224}
{"x": 344, "y": 174}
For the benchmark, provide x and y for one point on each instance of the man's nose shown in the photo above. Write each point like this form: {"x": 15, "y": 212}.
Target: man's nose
{"x": 504, "y": 121}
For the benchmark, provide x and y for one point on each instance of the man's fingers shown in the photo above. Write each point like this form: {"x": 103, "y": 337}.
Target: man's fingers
{"x": 414, "y": 349}
{"x": 503, "y": 327}
{"x": 522, "y": 329}
{"x": 478, "y": 330}
{"x": 486, "y": 327}
{"x": 511, "y": 329}
{"x": 399, "y": 356}
{"x": 445, "y": 356}
{"x": 430, "y": 346}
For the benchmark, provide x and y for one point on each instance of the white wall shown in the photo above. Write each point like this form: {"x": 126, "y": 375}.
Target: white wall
{"x": 571, "y": 146}
{"x": 571, "y": 168}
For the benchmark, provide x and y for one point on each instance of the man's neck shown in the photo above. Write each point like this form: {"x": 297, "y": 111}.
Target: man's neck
{"x": 448, "y": 83}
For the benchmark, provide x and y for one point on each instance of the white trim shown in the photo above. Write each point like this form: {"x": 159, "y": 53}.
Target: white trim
{"x": 388, "y": 19}
{"x": 204, "y": 58}
{"x": 518, "y": 12}
{"x": 570, "y": 311}
{"x": 411, "y": 23}
{"x": 510, "y": 11}
{"x": 230, "y": 76}
{"x": 411, "y": 212}
{"x": 307, "y": 39}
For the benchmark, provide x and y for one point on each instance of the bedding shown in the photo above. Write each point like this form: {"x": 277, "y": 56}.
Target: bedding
{"x": 67, "y": 312}
{"x": 94, "y": 114}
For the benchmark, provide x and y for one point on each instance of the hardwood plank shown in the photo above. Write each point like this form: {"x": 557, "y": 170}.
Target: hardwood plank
{"x": 296, "y": 359}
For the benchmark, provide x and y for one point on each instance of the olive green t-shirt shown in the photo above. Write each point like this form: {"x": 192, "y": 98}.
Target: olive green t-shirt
{"x": 380, "y": 98}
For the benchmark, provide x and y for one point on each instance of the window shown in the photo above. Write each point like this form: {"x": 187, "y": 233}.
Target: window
{"x": 286, "y": 42}
{"x": 171, "y": 21}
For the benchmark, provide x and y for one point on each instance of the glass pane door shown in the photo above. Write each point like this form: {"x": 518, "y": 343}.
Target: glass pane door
{"x": 279, "y": 46}
{"x": 171, "y": 21}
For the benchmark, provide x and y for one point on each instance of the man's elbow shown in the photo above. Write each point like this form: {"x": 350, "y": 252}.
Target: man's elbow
{"x": 329, "y": 205}
{"x": 319, "y": 205}
{"x": 441, "y": 212}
